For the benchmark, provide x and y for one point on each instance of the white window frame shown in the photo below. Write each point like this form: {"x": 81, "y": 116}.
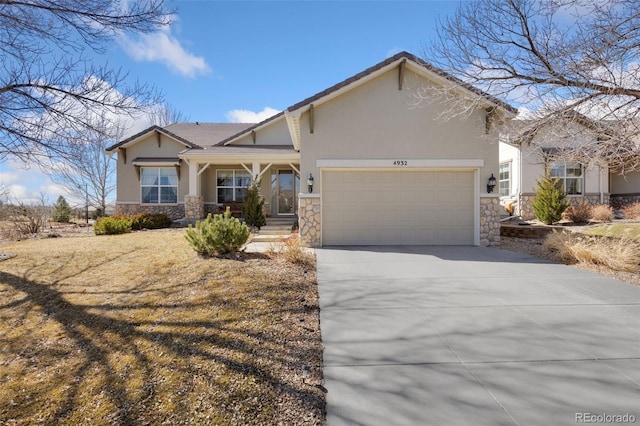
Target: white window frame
{"x": 501, "y": 181}
{"x": 233, "y": 186}
{"x": 563, "y": 176}
{"x": 159, "y": 186}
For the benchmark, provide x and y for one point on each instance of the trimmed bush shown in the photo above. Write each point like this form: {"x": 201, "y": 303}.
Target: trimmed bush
{"x": 112, "y": 225}
{"x": 150, "y": 221}
{"x": 217, "y": 235}
{"x": 549, "y": 202}
{"x": 602, "y": 212}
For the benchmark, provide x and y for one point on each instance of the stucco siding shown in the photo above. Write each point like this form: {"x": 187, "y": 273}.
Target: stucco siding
{"x": 628, "y": 183}
{"x": 511, "y": 154}
{"x": 377, "y": 121}
{"x": 276, "y": 133}
{"x": 596, "y": 178}
{"x": 128, "y": 184}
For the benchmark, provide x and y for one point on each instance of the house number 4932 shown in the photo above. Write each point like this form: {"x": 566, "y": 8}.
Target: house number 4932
{"x": 400, "y": 163}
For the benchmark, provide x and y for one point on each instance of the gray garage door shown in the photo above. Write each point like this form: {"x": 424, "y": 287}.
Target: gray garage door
{"x": 397, "y": 208}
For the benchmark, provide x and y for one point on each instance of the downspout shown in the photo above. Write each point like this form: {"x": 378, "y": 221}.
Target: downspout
{"x": 600, "y": 184}
{"x": 520, "y": 181}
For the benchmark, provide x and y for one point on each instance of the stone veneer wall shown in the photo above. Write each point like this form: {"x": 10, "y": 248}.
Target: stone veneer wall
{"x": 526, "y": 203}
{"x": 174, "y": 211}
{"x": 193, "y": 206}
{"x": 309, "y": 220}
{"x": 211, "y": 208}
{"x": 621, "y": 200}
{"x": 489, "y": 220}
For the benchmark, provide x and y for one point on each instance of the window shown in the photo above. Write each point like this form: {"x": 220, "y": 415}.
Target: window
{"x": 570, "y": 175}
{"x": 159, "y": 185}
{"x": 232, "y": 185}
{"x": 504, "y": 179}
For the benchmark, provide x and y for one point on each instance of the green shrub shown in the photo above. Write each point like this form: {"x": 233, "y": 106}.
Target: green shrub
{"x": 253, "y": 207}
{"x": 112, "y": 225}
{"x": 149, "y": 221}
{"x": 549, "y": 202}
{"x": 217, "y": 235}
{"x": 61, "y": 211}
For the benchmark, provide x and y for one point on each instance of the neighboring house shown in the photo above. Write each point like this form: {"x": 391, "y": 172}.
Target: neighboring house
{"x": 560, "y": 148}
{"x": 385, "y": 171}
{"x": 554, "y": 149}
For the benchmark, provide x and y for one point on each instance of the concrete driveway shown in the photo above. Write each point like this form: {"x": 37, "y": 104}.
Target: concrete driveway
{"x": 474, "y": 336}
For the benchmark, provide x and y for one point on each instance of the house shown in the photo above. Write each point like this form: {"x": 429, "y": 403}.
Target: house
{"x": 359, "y": 163}
{"x": 561, "y": 148}
{"x": 558, "y": 148}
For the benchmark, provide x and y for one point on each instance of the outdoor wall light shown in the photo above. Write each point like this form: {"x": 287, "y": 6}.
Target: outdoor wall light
{"x": 310, "y": 183}
{"x": 491, "y": 184}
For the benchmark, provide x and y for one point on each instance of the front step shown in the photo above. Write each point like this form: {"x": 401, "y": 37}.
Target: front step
{"x": 280, "y": 221}
{"x": 277, "y": 229}
{"x": 269, "y": 238}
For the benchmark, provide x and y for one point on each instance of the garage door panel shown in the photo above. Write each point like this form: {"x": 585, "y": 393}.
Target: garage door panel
{"x": 404, "y": 207}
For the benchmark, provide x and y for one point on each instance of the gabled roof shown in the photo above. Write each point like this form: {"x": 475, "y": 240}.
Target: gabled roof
{"x": 527, "y": 129}
{"x": 207, "y": 134}
{"x": 391, "y": 60}
{"x": 399, "y": 57}
{"x": 192, "y": 135}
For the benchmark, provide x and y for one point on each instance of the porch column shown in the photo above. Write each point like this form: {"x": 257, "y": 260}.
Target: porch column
{"x": 193, "y": 201}
{"x": 194, "y": 178}
{"x": 255, "y": 171}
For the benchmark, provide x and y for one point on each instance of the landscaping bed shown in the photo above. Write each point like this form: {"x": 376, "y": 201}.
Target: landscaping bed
{"x": 618, "y": 229}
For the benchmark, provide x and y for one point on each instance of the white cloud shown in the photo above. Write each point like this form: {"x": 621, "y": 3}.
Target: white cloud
{"x": 246, "y": 116}
{"x": 28, "y": 185}
{"x": 163, "y": 47}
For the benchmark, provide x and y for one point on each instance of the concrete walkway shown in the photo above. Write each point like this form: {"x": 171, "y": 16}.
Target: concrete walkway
{"x": 474, "y": 336}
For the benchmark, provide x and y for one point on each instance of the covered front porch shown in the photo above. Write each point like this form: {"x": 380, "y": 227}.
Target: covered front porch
{"x": 218, "y": 178}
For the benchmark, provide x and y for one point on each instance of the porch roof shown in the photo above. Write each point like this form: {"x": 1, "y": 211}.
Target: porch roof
{"x": 242, "y": 153}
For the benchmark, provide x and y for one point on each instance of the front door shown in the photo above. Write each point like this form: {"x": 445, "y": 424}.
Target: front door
{"x": 286, "y": 184}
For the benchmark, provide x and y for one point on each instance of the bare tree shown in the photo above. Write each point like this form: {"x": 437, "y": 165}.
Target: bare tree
{"x": 561, "y": 60}
{"x": 49, "y": 88}
{"x": 88, "y": 170}
{"x": 165, "y": 114}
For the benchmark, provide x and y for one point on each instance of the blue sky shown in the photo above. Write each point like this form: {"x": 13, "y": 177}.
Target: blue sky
{"x": 223, "y": 61}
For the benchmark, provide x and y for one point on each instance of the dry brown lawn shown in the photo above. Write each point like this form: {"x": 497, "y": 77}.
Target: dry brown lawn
{"x": 137, "y": 329}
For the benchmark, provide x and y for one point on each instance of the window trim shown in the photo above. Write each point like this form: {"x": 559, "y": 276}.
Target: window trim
{"x": 233, "y": 187}
{"x": 159, "y": 186}
{"x": 508, "y": 164}
{"x": 556, "y": 165}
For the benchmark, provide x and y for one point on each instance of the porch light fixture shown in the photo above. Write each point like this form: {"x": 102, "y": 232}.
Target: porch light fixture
{"x": 310, "y": 183}
{"x": 491, "y": 184}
